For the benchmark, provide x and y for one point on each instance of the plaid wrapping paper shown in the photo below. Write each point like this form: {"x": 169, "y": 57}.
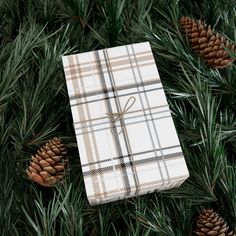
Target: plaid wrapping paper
{"x": 138, "y": 153}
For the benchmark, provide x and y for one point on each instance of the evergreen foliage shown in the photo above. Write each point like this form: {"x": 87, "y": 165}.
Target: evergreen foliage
{"x": 34, "y": 107}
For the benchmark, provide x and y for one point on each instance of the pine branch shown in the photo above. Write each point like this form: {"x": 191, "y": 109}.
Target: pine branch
{"x": 46, "y": 221}
{"x": 227, "y": 195}
{"x": 78, "y": 10}
{"x": 8, "y": 215}
{"x": 110, "y": 26}
{"x": 156, "y": 219}
{"x": 72, "y": 222}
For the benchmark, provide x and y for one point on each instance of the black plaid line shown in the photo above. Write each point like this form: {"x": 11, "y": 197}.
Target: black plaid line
{"x": 153, "y": 123}
{"x": 144, "y": 112}
{"x": 118, "y": 107}
{"x": 110, "y": 97}
{"x": 117, "y": 141}
{"x": 129, "y": 164}
{"x": 119, "y": 88}
{"x": 127, "y": 124}
{"x": 134, "y": 154}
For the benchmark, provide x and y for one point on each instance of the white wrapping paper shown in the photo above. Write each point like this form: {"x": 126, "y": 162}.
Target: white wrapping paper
{"x": 126, "y": 137}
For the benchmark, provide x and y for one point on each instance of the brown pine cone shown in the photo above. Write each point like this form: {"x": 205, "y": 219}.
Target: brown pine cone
{"x": 209, "y": 223}
{"x": 207, "y": 43}
{"x": 47, "y": 167}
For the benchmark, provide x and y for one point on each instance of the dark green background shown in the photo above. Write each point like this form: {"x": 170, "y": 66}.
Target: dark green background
{"x": 34, "y": 108}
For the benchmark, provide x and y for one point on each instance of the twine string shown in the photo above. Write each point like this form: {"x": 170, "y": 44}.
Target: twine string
{"x": 119, "y": 116}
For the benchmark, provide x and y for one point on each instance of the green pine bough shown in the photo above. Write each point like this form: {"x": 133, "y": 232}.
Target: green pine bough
{"x": 34, "y": 107}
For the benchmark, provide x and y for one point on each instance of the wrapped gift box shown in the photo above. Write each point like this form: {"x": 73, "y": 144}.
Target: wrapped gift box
{"x": 126, "y": 137}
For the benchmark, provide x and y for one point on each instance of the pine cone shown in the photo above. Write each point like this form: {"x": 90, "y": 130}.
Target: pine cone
{"x": 48, "y": 165}
{"x": 210, "y": 223}
{"x": 209, "y": 44}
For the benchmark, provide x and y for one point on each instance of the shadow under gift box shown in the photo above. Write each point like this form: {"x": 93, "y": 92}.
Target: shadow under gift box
{"x": 126, "y": 137}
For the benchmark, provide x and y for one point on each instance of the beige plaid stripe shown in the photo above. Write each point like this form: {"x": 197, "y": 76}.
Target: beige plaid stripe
{"x": 102, "y": 60}
{"x": 87, "y": 140}
{"x": 93, "y": 139}
{"x": 114, "y": 64}
{"x": 72, "y": 71}
{"x": 173, "y": 181}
